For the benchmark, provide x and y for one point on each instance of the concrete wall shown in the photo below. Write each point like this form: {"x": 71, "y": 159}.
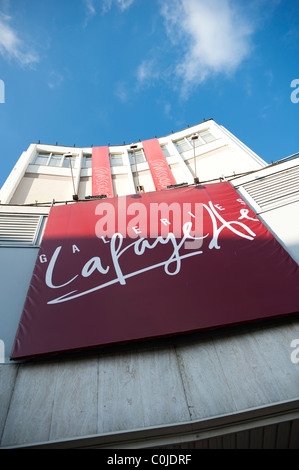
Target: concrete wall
{"x": 147, "y": 386}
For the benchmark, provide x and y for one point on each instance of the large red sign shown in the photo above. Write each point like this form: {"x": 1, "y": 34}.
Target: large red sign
{"x": 150, "y": 265}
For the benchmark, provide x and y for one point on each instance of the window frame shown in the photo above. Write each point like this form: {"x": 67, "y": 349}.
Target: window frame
{"x": 86, "y": 157}
{"x": 198, "y": 142}
{"x": 50, "y": 156}
{"x": 131, "y": 156}
{"x": 117, "y": 155}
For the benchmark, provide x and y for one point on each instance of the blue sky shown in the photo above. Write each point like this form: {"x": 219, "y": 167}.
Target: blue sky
{"x": 93, "y": 72}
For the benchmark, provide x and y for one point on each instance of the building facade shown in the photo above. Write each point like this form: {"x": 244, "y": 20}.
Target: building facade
{"x": 228, "y": 387}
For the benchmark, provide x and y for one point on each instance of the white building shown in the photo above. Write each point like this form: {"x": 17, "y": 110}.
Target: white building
{"x": 223, "y": 388}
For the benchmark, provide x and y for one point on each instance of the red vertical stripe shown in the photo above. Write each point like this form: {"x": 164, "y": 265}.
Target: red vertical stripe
{"x": 101, "y": 173}
{"x": 158, "y": 165}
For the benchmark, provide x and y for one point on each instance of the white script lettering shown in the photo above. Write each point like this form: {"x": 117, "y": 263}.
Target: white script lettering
{"x": 172, "y": 265}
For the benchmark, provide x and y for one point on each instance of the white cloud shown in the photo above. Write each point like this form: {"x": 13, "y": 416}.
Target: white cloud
{"x": 213, "y": 37}
{"x": 90, "y": 7}
{"x": 12, "y": 47}
{"x": 90, "y": 10}
{"x": 142, "y": 72}
{"x": 122, "y": 4}
{"x": 55, "y": 79}
{"x": 167, "y": 109}
{"x": 106, "y": 5}
{"x": 147, "y": 71}
{"x": 121, "y": 92}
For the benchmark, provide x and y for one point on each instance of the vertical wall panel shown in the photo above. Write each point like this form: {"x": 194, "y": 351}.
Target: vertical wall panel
{"x": 140, "y": 389}
{"x": 75, "y": 402}
{"x": 8, "y": 375}
{"x": 30, "y": 412}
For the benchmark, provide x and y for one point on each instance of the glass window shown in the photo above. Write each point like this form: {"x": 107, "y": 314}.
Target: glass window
{"x": 41, "y": 159}
{"x": 207, "y": 136}
{"x": 165, "y": 150}
{"x": 196, "y": 142}
{"x": 66, "y": 162}
{"x": 182, "y": 145}
{"x": 139, "y": 155}
{"x": 116, "y": 159}
{"x": 55, "y": 160}
{"x": 87, "y": 161}
{"x": 52, "y": 159}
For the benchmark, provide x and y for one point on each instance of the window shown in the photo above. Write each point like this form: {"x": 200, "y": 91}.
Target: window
{"x": 165, "y": 151}
{"x": 116, "y": 159}
{"x": 21, "y": 229}
{"x": 53, "y": 159}
{"x": 197, "y": 142}
{"x": 42, "y": 159}
{"x": 206, "y": 136}
{"x": 185, "y": 144}
{"x": 182, "y": 145}
{"x": 139, "y": 155}
{"x": 87, "y": 161}
{"x": 66, "y": 162}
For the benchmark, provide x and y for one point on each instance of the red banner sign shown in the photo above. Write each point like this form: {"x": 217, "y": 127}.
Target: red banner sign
{"x": 152, "y": 265}
{"x": 101, "y": 173}
{"x": 160, "y": 171}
